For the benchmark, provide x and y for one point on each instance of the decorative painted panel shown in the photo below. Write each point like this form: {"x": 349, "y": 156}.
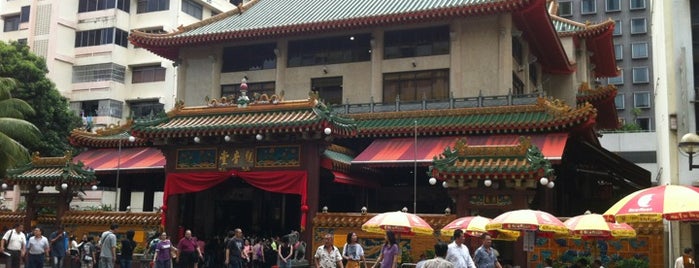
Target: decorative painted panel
{"x": 278, "y": 156}
{"x": 196, "y": 159}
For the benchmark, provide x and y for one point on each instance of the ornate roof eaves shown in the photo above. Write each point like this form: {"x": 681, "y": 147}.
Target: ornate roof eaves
{"x": 589, "y": 29}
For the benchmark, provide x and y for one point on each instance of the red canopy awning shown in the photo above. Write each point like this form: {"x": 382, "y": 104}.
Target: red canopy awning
{"x": 399, "y": 151}
{"x": 126, "y": 159}
{"x": 344, "y": 178}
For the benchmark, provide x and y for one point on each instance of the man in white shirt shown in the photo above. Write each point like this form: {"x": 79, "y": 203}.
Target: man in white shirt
{"x": 457, "y": 252}
{"x": 14, "y": 243}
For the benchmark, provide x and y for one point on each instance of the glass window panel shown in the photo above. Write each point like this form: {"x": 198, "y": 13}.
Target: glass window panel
{"x": 619, "y": 102}
{"x": 639, "y": 50}
{"x": 641, "y": 99}
{"x": 640, "y": 75}
{"x": 638, "y": 26}
{"x": 565, "y": 9}
{"x": 613, "y": 5}
{"x": 588, "y": 6}
{"x": 637, "y": 4}
{"x": 617, "y": 28}
{"x": 619, "y": 51}
{"x": 619, "y": 80}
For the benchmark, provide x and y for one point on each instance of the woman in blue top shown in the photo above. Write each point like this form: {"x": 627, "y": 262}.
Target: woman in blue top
{"x": 389, "y": 252}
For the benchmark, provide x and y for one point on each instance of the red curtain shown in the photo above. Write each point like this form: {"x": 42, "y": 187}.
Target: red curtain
{"x": 286, "y": 182}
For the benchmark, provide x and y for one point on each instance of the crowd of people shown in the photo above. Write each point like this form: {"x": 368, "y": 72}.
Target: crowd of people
{"x": 238, "y": 251}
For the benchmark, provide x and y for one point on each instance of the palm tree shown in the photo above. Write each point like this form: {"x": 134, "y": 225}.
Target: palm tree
{"x": 13, "y": 128}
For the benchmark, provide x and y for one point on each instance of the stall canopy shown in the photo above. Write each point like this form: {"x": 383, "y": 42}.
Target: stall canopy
{"x": 125, "y": 159}
{"x": 400, "y": 151}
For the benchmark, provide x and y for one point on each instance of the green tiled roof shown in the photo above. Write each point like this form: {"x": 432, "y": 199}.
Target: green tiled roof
{"x": 33, "y": 174}
{"x": 541, "y": 117}
{"x": 280, "y": 13}
{"x": 338, "y": 157}
{"x": 295, "y": 117}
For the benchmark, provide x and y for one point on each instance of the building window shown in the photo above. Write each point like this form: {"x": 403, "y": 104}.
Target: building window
{"x": 11, "y": 23}
{"x": 517, "y": 51}
{"x": 416, "y": 42}
{"x": 641, "y": 99}
{"x": 640, "y": 75}
{"x": 617, "y": 28}
{"x": 613, "y": 5}
{"x": 103, "y": 36}
{"x": 517, "y": 85}
{"x": 412, "y": 86}
{"x": 588, "y": 7}
{"x": 106, "y": 107}
{"x": 619, "y": 102}
{"x": 619, "y": 51}
{"x": 329, "y": 89}
{"x": 24, "y": 14}
{"x": 639, "y": 50}
{"x": 145, "y": 109}
{"x": 638, "y": 26}
{"x": 618, "y": 80}
{"x": 637, "y": 4}
{"x": 252, "y": 57}
{"x": 331, "y": 50}
{"x": 565, "y": 9}
{"x": 253, "y": 88}
{"x": 99, "y": 72}
{"x": 191, "y": 8}
{"x": 145, "y": 6}
{"x": 94, "y": 5}
{"x": 644, "y": 123}
{"x": 22, "y": 41}
{"x": 147, "y": 74}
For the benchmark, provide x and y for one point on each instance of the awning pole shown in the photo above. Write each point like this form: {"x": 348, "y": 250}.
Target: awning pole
{"x": 415, "y": 171}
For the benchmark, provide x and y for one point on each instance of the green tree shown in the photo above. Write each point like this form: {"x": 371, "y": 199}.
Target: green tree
{"x": 13, "y": 129}
{"x": 53, "y": 116}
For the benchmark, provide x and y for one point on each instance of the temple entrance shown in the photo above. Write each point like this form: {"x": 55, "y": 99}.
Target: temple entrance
{"x": 237, "y": 204}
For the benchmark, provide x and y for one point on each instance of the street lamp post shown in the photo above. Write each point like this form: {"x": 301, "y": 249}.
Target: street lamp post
{"x": 689, "y": 144}
{"x": 415, "y": 171}
{"x": 116, "y": 185}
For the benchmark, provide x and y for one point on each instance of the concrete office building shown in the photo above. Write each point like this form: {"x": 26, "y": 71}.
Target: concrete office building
{"x": 89, "y": 57}
{"x": 632, "y": 47}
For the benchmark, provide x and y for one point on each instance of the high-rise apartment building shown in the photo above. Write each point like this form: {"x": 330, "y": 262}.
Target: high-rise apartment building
{"x": 85, "y": 44}
{"x": 632, "y": 47}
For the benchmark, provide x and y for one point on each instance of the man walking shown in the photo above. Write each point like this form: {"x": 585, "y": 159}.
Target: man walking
{"x": 686, "y": 260}
{"x": 14, "y": 243}
{"x": 440, "y": 252}
{"x": 108, "y": 243}
{"x": 457, "y": 252}
{"x": 485, "y": 255}
{"x": 234, "y": 250}
{"x": 38, "y": 249}
{"x": 327, "y": 255}
{"x": 59, "y": 247}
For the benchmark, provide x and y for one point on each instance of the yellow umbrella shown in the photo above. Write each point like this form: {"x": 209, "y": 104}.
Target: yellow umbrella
{"x": 399, "y": 222}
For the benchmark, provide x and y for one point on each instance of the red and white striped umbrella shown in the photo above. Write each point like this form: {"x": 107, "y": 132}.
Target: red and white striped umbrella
{"x": 671, "y": 202}
{"x": 399, "y": 222}
{"x": 528, "y": 220}
{"x": 475, "y": 226}
{"x": 594, "y": 226}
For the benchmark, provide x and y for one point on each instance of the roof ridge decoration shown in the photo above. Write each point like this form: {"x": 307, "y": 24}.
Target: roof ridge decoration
{"x": 37, "y": 160}
{"x": 257, "y": 117}
{"x": 108, "y": 137}
{"x": 585, "y": 93}
{"x": 467, "y": 162}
